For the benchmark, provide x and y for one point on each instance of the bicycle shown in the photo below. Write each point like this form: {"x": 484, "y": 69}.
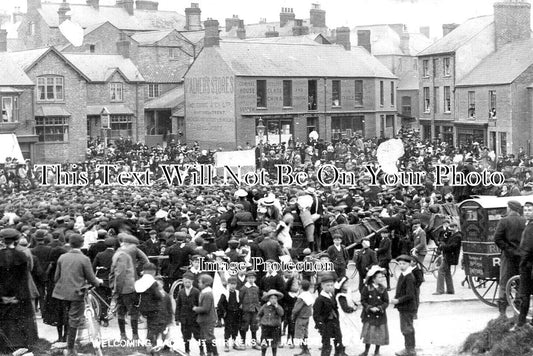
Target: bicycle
{"x": 90, "y": 315}
{"x": 96, "y": 300}
{"x": 435, "y": 262}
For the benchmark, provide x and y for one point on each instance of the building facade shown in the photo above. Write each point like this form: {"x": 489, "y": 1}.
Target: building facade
{"x": 292, "y": 89}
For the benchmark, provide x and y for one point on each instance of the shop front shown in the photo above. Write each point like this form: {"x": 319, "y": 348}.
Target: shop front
{"x": 344, "y": 127}
{"x": 468, "y": 134}
{"x": 277, "y": 130}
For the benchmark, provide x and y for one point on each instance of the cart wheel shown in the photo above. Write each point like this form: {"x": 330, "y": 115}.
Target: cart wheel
{"x": 485, "y": 289}
{"x": 511, "y": 292}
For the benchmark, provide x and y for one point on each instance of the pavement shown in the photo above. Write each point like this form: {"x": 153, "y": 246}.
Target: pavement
{"x": 444, "y": 322}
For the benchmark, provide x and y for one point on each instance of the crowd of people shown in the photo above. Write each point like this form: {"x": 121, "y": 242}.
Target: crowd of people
{"x": 132, "y": 243}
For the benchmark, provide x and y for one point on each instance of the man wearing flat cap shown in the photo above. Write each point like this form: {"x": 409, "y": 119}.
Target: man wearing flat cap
{"x": 507, "y": 237}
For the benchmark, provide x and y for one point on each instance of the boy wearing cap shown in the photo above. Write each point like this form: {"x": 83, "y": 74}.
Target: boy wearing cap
{"x": 270, "y": 319}
{"x": 206, "y": 314}
{"x": 338, "y": 255}
{"x": 230, "y": 309}
{"x": 185, "y": 302}
{"x": 301, "y": 312}
{"x": 405, "y": 302}
{"x": 326, "y": 317}
{"x": 250, "y": 302}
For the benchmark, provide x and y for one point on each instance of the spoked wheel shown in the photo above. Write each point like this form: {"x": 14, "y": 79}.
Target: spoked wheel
{"x": 175, "y": 288}
{"x": 511, "y": 292}
{"x": 95, "y": 304}
{"x": 435, "y": 266}
{"x": 485, "y": 289}
{"x": 394, "y": 271}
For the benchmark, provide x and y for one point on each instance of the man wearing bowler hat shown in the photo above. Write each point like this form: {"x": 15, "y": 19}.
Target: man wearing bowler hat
{"x": 507, "y": 237}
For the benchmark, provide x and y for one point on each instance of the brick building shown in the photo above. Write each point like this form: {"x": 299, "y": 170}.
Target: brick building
{"x": 496, "y": 98}
{"x": 70, "y": 92}
{"x": 396, "y": 47}
{"x": 16, "y": 98}
{"x": 450, "y": 60}
{"x": 40, "y": 25}
{"x": 292, "y": 88}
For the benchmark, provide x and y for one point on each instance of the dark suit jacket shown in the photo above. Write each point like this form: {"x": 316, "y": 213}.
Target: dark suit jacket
{"x": 509, "y": 233}
{"x": 184, "y": 305}
{"x": 325, "y": 310}
{"x": 406, "y": 293}
{"x": 178, "y": 257}
{"x": 270, "y": 249}
{"x": 364, "y": 260}
{"x": 73, "y": 271}
{"x": 42, "y": 254}
{"x": 338, "y": 258}
{"x": 273, "y": 282}
{"x": 96, "y": 248}
{"x": 206, "y": 313}
{"x": 104, "y": 259}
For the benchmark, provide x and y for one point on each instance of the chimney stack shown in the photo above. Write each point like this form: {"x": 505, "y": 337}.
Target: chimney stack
{"x": 399, "y": 28}
{"x": 33, "y": 5}
{"x": 232, "y": 22}
{"x": 127, "y": 5}
{"x": 62, "y": 11}
{"x": 425, "y": 30}
{"x": 317, "y": 16}
{"x": 94, "y": 3}
{"x": 363, "y": 40}
{"x": 343, "y": 37}
{"x": 241, "y": 30}
{"x": 193, "y": 19}
{"x": 123, "y": 46}
{"x": 286, "y": 15}
{"x": 512, "y": 21}
{"x": 17, "y": 15}
{"x": 3, "y": 40}
{"x": 146, "y": 5}
{"x": 448, "y": 27}
{"x": 211, "y": 38}
{"x": 272, "y": 33}
{"x": 404, "y": 43}
{"x": 299, "y": 29}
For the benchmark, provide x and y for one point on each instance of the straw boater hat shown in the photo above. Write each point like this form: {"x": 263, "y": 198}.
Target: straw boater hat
{"x": 241, "y": 193}
{"x": 271, "y": 293}
{"x": 372, "y": 271}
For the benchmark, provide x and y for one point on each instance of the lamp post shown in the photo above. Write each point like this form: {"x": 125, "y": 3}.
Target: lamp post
{"x": 260, "y": 133}
{"x": 105, "y": 126}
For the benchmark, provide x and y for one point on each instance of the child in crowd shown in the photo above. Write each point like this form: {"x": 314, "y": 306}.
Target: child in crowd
{"x": 418, "y": 273}
{"x": 270, "y": 316}
{"x": 405, "y": 302}
{"x": 150, "y": 304}
{"x": 186, "y": 301}
{"x": 250, "y": 302}
{"x": 293, "y": 286}
{"x": 206, "y": 314}
{"x": 347, "y": 309}
{"x": 375, "y": 300}
{"x": 301, "y": 312}
{"x": 229, "y": 308}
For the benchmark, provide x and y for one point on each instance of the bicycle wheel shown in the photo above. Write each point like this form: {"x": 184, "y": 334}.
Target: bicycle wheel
{"x": 434, "y": 267}
{"x": 95, "y": 305}
{"x": 94, "y": 331}
{"x": 175, "y": 288}
{"x": 511, "y": 293}
{"x": 394, "y": 271}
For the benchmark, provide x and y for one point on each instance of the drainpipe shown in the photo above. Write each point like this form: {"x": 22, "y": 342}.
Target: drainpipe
{"x": 325, "y": 107}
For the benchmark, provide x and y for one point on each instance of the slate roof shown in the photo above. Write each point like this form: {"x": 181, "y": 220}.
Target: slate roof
{"x": 386, "y": 41}
{"x": 163, "y": 72}
{"x": 144, "y": 38}
{"x": 193, "y": 36}
{"x": 169, "y": 100}
{"x": 502, "y": 66}
{"x": 114, "y": 109}
{"x": 26, "y": 58}
{"x": 461, "y": 35}
{"x": 306, "y": 39}
{"x": 99, "y": 67}
{"x": 11, "y": 74}
{"x": 298, "y": 60}
{"x": 142, "y": 20}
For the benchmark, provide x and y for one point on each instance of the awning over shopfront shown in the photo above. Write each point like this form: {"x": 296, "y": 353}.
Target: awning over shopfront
{"x": 51, "y": 110}
{"x": 114, "y": 109}
{"x": 9, "y": 147}
{"x": 169, "y": 100}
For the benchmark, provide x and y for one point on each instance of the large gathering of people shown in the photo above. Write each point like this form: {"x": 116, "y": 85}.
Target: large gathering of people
{"x": 132, "y": 243}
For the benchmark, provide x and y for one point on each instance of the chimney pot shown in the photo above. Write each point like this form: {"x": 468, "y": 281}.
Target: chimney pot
{"x": 94, "y": 3}
{"x": 62, "y": 11}
{"x": 317, "y": 16}
{"x": 425, "y": 30}
{"x": 285, "y": 16}
{"x": 127, "y": 5}
{"x": 147, "y": 5}
{"x": 404, "y": 43}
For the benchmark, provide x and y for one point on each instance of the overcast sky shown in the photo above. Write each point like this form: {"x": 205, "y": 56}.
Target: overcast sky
{"x": 350, "y": 13}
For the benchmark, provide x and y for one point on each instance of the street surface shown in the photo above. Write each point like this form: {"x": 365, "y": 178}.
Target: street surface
{"x": 443, "y": 324}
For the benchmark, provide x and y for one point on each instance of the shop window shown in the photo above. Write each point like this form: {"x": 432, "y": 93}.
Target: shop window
{"x": 312, "y": 124}
{"x": 261, "y": 94}
{"x": 121, "y": 126}
{"x": 347, "y": 126}
{"x": 51, "y": 129}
